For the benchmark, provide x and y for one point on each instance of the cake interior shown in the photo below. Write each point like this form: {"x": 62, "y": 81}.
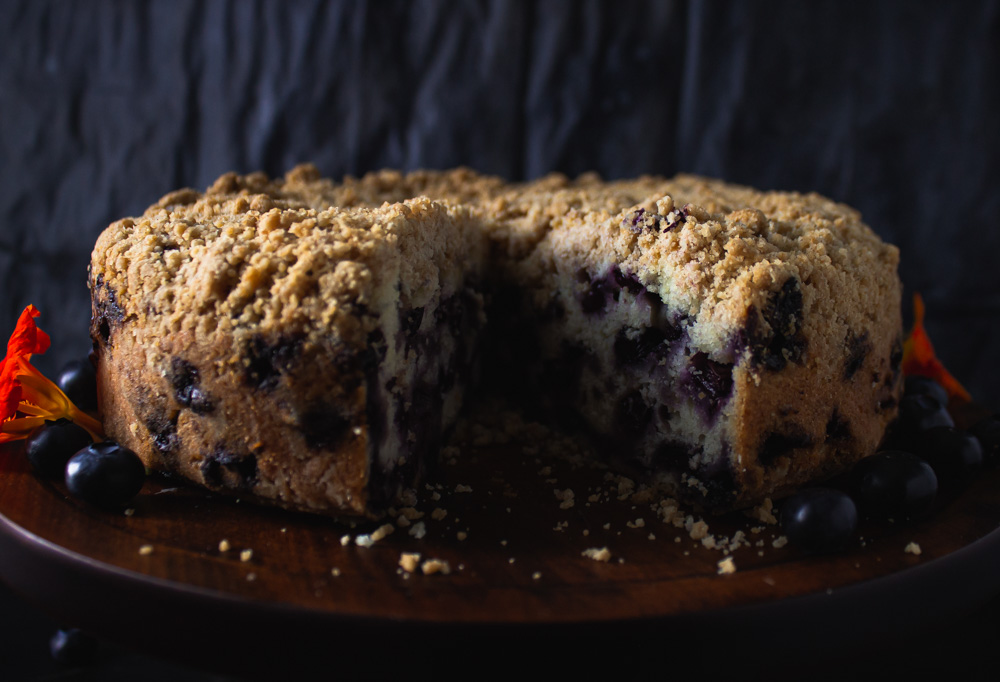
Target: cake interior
{"x": 418, "y": 368}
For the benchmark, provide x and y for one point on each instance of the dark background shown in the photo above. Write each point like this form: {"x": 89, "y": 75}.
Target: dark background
{"x": 892, "y": 107}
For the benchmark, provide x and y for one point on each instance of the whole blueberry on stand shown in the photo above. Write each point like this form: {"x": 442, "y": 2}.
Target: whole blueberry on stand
{"x": 73, "y": 647}
{"x": 954, "y": 455}
{"x": 49, "y": 447}
{"x": 78, "y": 380}
{"x": 988, "y": 433}
{"x": 894, "y": 484}
{"x": 918, "y": 385}
{"x": 105, "y": 474}
{"x": 917, "y": 413}
{"x": 819, "y": 519}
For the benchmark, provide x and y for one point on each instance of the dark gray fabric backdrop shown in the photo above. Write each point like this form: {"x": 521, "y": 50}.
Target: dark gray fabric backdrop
{"x": 892, "y": 107}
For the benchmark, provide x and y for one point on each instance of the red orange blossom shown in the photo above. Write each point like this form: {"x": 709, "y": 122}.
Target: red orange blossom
{"x": 27, "y": 398}
{"x": 919, "y": 358}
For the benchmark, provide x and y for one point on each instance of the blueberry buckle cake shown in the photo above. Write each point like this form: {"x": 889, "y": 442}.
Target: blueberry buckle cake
{"x": 309, "y": 343}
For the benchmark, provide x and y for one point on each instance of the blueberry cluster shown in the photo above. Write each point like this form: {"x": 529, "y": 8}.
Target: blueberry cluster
{"x": 925, "y": 453}
{"x": 104, "y": 474}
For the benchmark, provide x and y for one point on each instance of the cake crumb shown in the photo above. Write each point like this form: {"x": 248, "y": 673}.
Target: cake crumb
{"x": 638, "y": 523}
{"x": 913, "y": 548}
{"x": 432, "y": 566}
{"x": 411, "y": 514}
{"x": 224, "y": 545}
{"x": 597, "y": 554}
{"x": 698, "y": 529}
{"x": 461, "y": 488}
{"x": 764, "y": 512}
{"x": 129, "y": 512}
{"x": 335, "y": 572}
{"x": 625, "y": 487}
{"x": 780, "y": 542}
{"x": 439, "y": 513}
{"x": 566, "y": 498}
{"x": 382, "y": 531}
{"x": 251, "y": 577}
{"x": 727, "y": 566}
{"x": 146, "y": 550}
{"x": 419, "y": 530}
{"x": 246, "y": 555}
{"x": 345, "y": 540}
{"x": 409, "y": 561}
{"x": 461, "y": 535}
{"x": 537, "y": 575}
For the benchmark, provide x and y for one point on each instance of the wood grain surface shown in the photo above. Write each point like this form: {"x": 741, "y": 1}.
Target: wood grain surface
{"x": 514, "y": 547}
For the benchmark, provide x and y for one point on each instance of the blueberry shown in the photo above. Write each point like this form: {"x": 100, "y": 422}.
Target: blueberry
{"x": 922, "y": 412}
{"x": 895, "y": 484}
{"x": 819, "y": 519}
{"x": 105, "y": 474}
{"x": 918, "y": 385}
{"x": 629, "y": 351}
{"x": 988, "y": 433}
{"x": 595, "y": 299}
{"x": 954, "y": 455}
{"x": 78, "y": 380}
{"x": 50, "y": 447}
{"x": 918, "y": 413}
{"x": 73, "y": 647}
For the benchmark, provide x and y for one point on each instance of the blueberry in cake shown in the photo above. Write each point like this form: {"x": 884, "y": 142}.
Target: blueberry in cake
{"x": 308, "y": 343}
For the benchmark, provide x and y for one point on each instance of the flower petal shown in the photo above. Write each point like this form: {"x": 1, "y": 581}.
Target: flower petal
{"x": 10, "y": 389}
{"x": 26, "y": 340}
{"x": 27, "y": 337}
{"x": 16, "y": 429}
{"x": 919, "y": 358}
{"x": 38, "y": 390}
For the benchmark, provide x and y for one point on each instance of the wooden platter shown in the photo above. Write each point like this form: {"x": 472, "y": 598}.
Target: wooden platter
{"x": 306, "y": 597}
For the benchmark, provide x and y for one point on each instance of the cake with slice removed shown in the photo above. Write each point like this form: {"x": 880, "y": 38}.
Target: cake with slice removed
{"x": 309, "y": 343}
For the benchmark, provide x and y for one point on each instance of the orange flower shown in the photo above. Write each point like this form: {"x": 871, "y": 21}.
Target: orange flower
{"x": 919, "y": 358}
{"x": 27, "y": 398}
